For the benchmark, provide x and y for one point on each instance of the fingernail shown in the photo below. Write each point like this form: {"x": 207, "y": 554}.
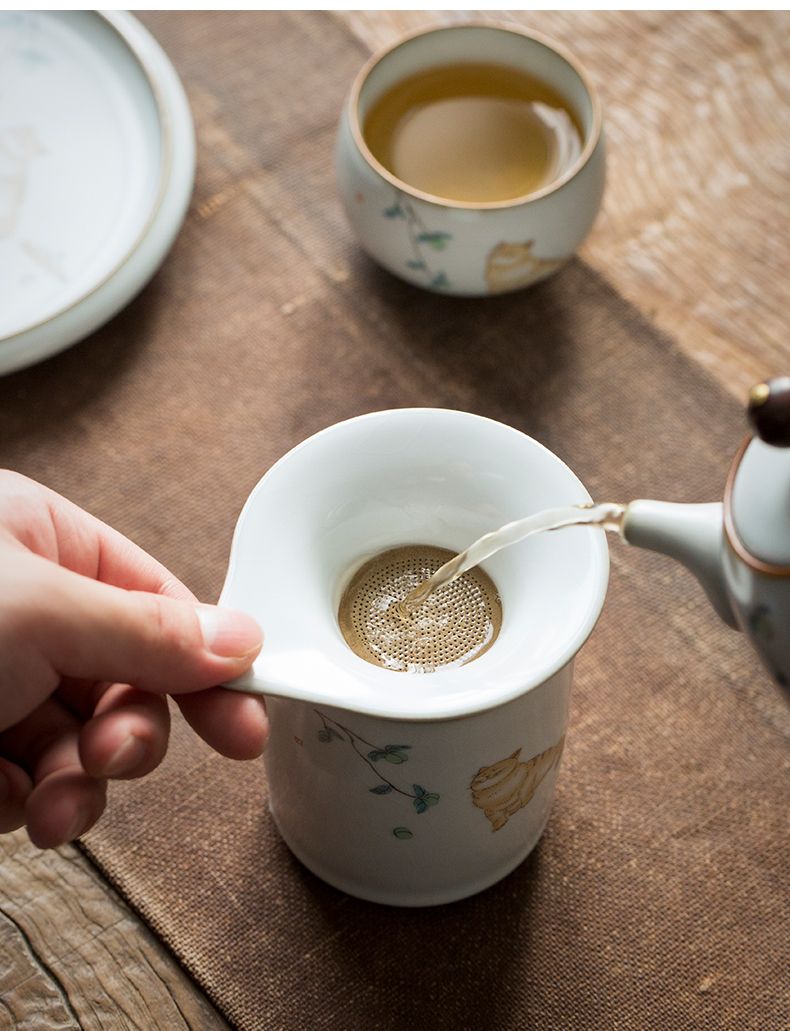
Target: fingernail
{"x": 228, "y": 632}
{"x": 126, "y": 758}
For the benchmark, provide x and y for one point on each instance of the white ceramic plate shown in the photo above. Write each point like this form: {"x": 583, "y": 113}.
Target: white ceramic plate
{"x": 97, "y": 161}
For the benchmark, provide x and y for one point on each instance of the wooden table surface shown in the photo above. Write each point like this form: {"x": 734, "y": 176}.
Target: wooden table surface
{"x": 694, "y": 232}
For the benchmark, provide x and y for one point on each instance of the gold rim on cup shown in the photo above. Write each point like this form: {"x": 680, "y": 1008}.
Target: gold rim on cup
{"x": 590, "y": 144}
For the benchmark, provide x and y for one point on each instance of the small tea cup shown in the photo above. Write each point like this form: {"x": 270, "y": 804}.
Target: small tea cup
{"x": 461, "y": 247}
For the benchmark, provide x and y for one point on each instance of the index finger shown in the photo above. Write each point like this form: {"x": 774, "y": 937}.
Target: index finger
{"x": 53, "y": 527}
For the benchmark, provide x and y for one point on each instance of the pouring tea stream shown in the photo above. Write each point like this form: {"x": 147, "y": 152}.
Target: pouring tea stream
{"x": 738, "y": 549}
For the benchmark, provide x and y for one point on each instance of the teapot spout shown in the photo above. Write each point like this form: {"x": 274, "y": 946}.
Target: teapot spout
{"x": 692, "y": 534}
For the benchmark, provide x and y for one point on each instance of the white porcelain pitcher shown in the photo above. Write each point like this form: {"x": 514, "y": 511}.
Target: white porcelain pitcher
{"x": 403, "y": 788}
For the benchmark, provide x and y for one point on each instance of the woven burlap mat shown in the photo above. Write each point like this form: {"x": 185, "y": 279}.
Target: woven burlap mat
{"x": 659, "y": 897}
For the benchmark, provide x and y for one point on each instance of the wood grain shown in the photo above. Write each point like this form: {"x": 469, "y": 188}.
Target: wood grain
{"x": 693, "y": 231}
{"x": 73, "y": 956}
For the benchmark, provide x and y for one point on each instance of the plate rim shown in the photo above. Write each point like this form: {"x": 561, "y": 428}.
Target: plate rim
{"x": 155, "y": 65}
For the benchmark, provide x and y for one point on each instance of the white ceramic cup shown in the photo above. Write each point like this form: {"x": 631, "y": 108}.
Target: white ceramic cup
{"x": 401, "y": 788}
{"x": 459, "y": 247}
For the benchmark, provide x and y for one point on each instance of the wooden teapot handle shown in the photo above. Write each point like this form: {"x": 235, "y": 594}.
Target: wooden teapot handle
{"x": 769, "y": 411}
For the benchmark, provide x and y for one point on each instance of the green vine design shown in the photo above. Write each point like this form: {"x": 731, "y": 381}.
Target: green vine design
{"x": 422, "y": 240}
{"x": 371, "y": 755}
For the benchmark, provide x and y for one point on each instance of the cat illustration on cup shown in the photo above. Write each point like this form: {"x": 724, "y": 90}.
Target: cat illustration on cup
{"x": 513, "y": 265}
{"x": 507, "y": 786}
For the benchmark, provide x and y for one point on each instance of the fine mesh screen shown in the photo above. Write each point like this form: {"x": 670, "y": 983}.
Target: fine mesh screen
{"x": 456, "y": 624}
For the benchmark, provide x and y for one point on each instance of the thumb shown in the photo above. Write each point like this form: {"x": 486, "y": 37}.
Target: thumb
{"x": 64, "y": 624}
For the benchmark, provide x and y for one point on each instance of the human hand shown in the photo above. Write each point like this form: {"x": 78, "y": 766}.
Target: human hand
{"x": 93, "y": 634}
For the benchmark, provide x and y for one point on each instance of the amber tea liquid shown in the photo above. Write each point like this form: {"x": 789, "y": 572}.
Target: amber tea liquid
{"x": 453, "y": 627}
{"x": 473, "y": 132}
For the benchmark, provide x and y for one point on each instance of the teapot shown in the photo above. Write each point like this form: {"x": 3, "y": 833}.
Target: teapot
{"x": 738, "y": 548}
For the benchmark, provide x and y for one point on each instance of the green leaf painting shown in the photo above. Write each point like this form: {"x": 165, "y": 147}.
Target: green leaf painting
{"x": 394, "y": 754}
{"x": 379, "y": 759}
{"x": 423, "y": 240}
{"x": 436, "y": 240}
{"x": 327, "y": 733}
{"x": 423, "y": 801}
